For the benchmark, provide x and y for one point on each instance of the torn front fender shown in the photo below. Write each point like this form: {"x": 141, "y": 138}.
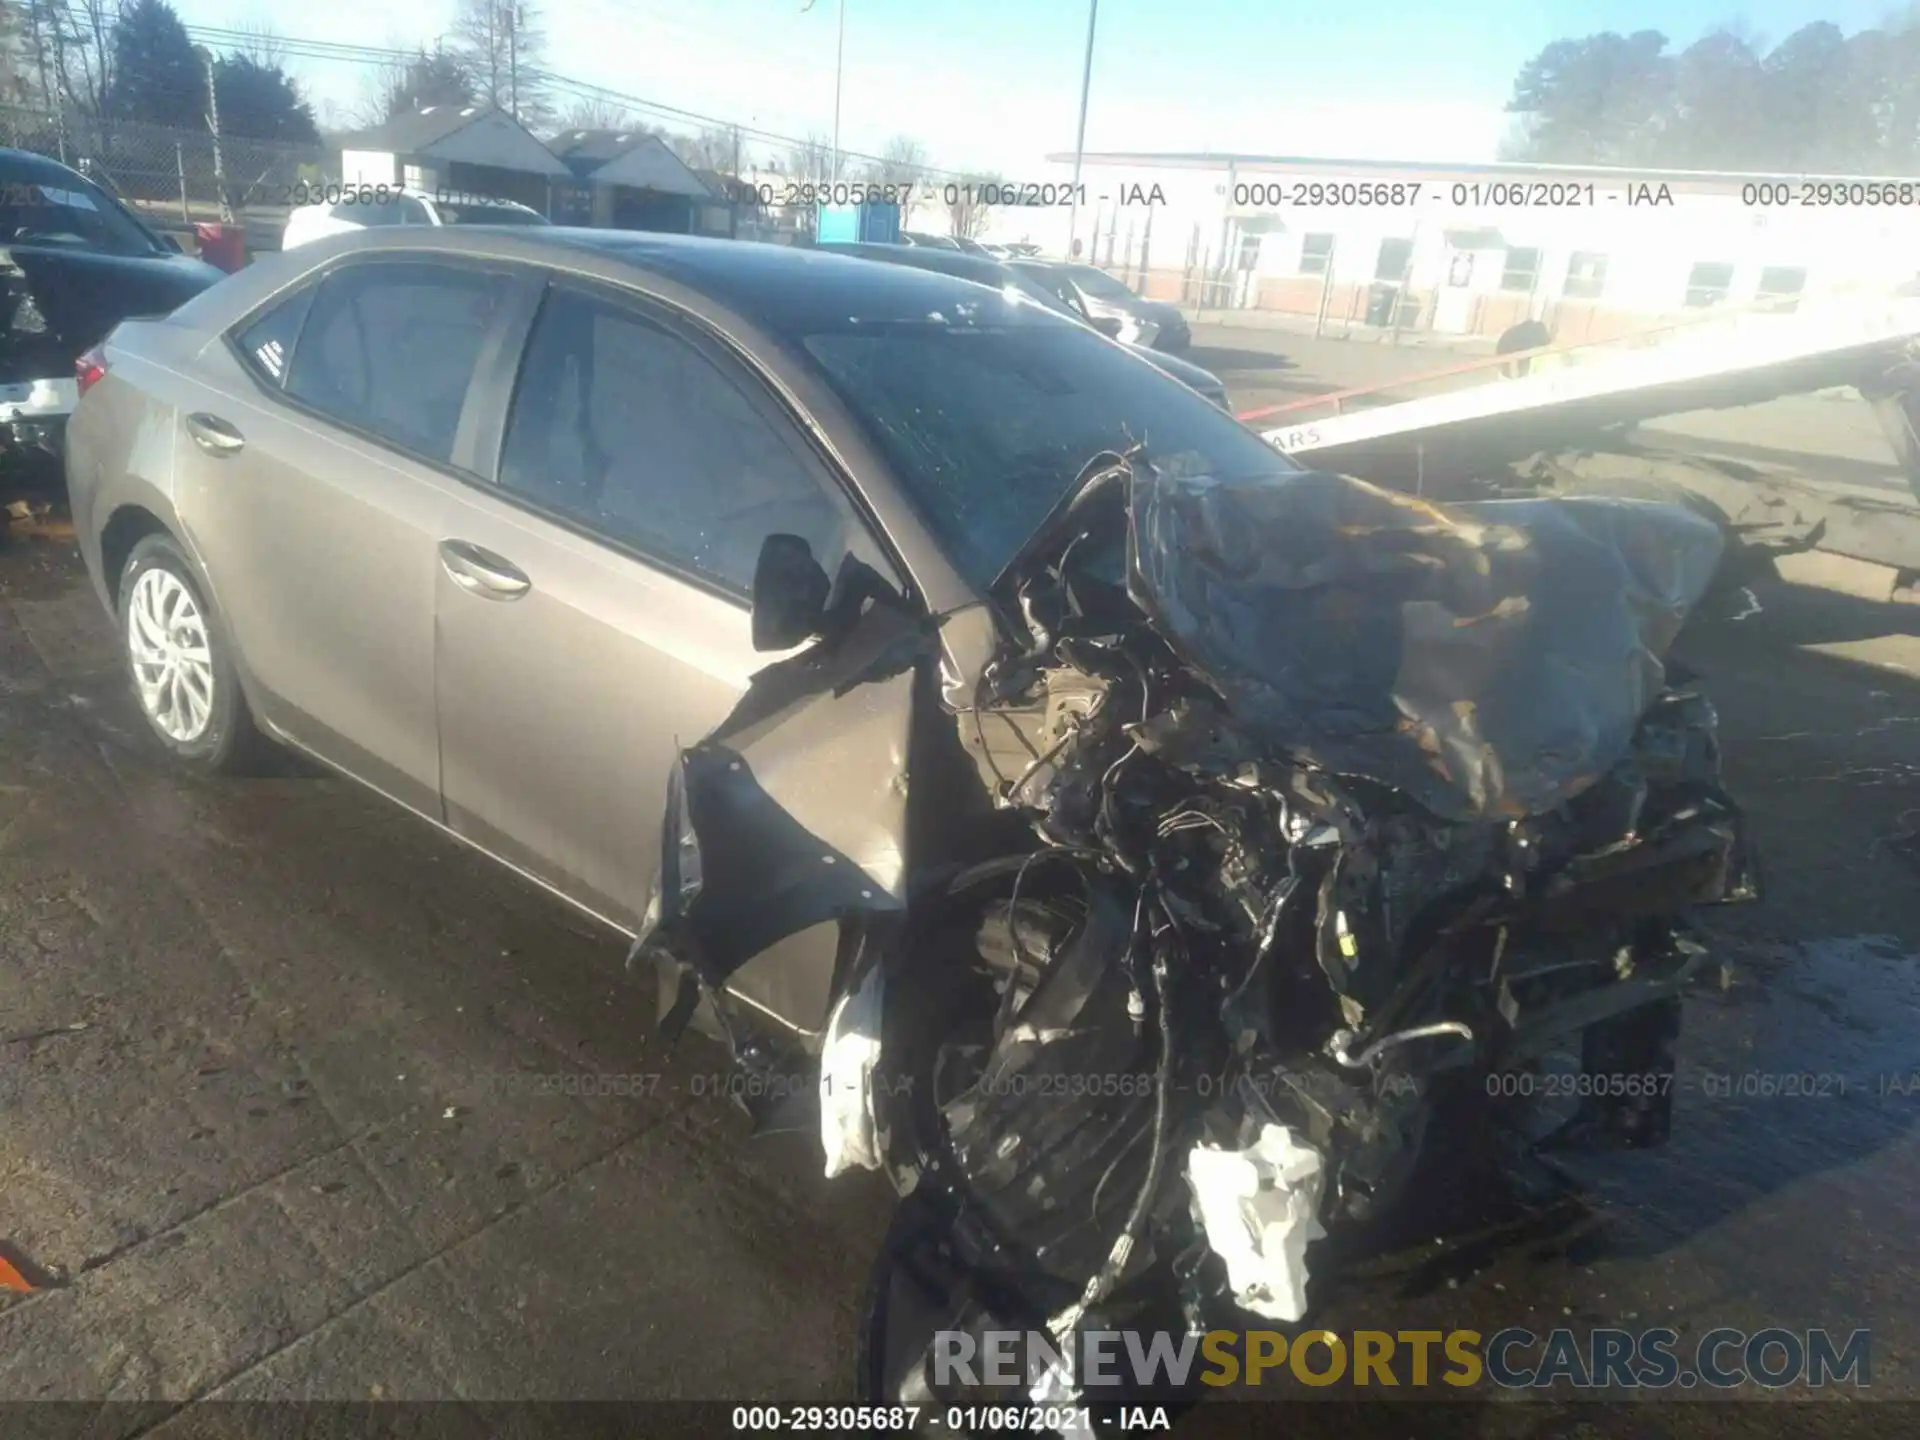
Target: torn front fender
{"x": 790, "y": 815}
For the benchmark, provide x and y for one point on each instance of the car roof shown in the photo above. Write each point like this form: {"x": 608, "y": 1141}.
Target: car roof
{"x": 34, "y": 167}
{"x": 778, "y": 288}
{"x": 982, "y": 269}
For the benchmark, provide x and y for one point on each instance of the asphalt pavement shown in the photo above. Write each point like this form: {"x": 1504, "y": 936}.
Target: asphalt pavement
{"x": 302, "y": 1100}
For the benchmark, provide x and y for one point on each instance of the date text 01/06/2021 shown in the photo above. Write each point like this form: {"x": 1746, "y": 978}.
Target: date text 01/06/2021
{"x": 962, "y": 1419}
{"x": 1459, "y": 195}
{"x": 988, "y": 194}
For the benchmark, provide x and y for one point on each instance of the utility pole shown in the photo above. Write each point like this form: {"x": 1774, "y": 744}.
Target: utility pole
{"x": 213, "y": 124}
{"x": 1080, "y": 137}
{"x": 839, "y": 67}
{"x": 733, "y": 189}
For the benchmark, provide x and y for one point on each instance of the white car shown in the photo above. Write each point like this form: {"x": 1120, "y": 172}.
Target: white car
{"x": 359, "y": 207}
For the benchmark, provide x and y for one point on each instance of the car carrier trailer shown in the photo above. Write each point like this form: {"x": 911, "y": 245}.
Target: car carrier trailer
{"x": 1563, "y": 418}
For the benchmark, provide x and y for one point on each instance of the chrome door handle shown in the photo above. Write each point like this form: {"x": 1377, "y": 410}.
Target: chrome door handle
{"x": 214, "y": 435}
{"x": 481, "y": 572}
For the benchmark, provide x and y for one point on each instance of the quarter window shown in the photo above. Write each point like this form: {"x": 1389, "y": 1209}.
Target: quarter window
{"x": 267, "y": 344}
{"x": 631, "y": 430}
{"x": 391, "y": 348}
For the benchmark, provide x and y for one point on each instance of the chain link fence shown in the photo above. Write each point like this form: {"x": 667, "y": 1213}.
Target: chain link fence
{"x": 170, "y": 175}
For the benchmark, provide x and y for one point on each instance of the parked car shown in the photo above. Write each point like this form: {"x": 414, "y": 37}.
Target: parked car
{"x": 1150, "y": 322}
{"x": 1258, "y": 818}
{"x": 1042, "y": 285}
{"x": 928, "y": 241}
{"x": 74, "y": 261}
{"x": 365, "y": 207}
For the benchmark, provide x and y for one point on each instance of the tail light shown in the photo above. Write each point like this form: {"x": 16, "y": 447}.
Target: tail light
{"x": 91, "y": 368}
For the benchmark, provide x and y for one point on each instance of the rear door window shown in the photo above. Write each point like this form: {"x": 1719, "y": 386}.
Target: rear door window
{"x": 630, "y": 429}
{"x": 390, "y": 347}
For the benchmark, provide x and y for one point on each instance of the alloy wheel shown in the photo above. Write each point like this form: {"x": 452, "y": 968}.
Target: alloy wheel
{"x": 172, "y": 656}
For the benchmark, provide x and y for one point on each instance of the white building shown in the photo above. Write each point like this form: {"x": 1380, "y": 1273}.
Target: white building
{"x": 471, "y": 149}
{"x": 1473, "y": 249}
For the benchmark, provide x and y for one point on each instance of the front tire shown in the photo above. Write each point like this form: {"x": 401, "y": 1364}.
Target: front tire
{"x": 180, "y": 659}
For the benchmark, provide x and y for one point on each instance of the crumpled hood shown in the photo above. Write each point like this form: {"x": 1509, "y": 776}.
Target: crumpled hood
{"x": 1491, "y": 660}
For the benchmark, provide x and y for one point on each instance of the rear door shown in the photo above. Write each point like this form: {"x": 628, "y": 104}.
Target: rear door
{"x": 592, "y": 610}
{"x": 322, "y": 446}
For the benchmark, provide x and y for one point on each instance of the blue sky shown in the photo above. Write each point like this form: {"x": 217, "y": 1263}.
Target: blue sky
{"x": 995, "y": 83}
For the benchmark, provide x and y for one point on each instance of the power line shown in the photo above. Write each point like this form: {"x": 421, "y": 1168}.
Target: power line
{"x": 389, "y": 56}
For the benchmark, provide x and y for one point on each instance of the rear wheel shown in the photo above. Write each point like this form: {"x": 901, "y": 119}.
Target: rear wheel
{"x": 180, "y": 659}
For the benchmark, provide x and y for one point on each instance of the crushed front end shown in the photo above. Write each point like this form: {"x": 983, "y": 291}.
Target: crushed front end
{"x": 1342, "y": 805}
{"x": 1316, "y": 807}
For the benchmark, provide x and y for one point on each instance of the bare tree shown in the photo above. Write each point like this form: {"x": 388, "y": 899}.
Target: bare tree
{"x": 19, "y": 67}
{"x": 594, "y": 112}
{"x": 810, "y": 161}
{"x": 68, "y": 48}
{"x": 902, "y": 163}
{"x": 262, "y": 45}
{"x": 431, "y": 77}
{"x": 505, "y": 46}
{"x": 968, "y": 211}
{"x": 715, "y": 148}
{"x": 902, "y": 160}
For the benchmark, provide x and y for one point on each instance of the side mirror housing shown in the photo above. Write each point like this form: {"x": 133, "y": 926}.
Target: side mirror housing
{"x": 1107, "y": 325}
{"x": 790, "y": 590}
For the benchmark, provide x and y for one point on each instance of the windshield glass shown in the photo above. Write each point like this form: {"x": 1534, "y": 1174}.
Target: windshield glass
{"x": 1036, "y": 288}
{"x": 1098, "y": 282}
{"x": 987, "y": 425}
{"x": 467, "y": 214}
{"x": 70, "y": 212}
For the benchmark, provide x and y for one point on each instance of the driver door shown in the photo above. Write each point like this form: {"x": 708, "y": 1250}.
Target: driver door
{"x": 592, "y": 605}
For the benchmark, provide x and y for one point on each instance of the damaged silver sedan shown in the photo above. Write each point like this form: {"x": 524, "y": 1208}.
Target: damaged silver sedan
{"x": 1148, "y": 846}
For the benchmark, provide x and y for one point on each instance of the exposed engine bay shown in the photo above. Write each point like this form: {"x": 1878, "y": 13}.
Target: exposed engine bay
{"x": 1326, "y": 805}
